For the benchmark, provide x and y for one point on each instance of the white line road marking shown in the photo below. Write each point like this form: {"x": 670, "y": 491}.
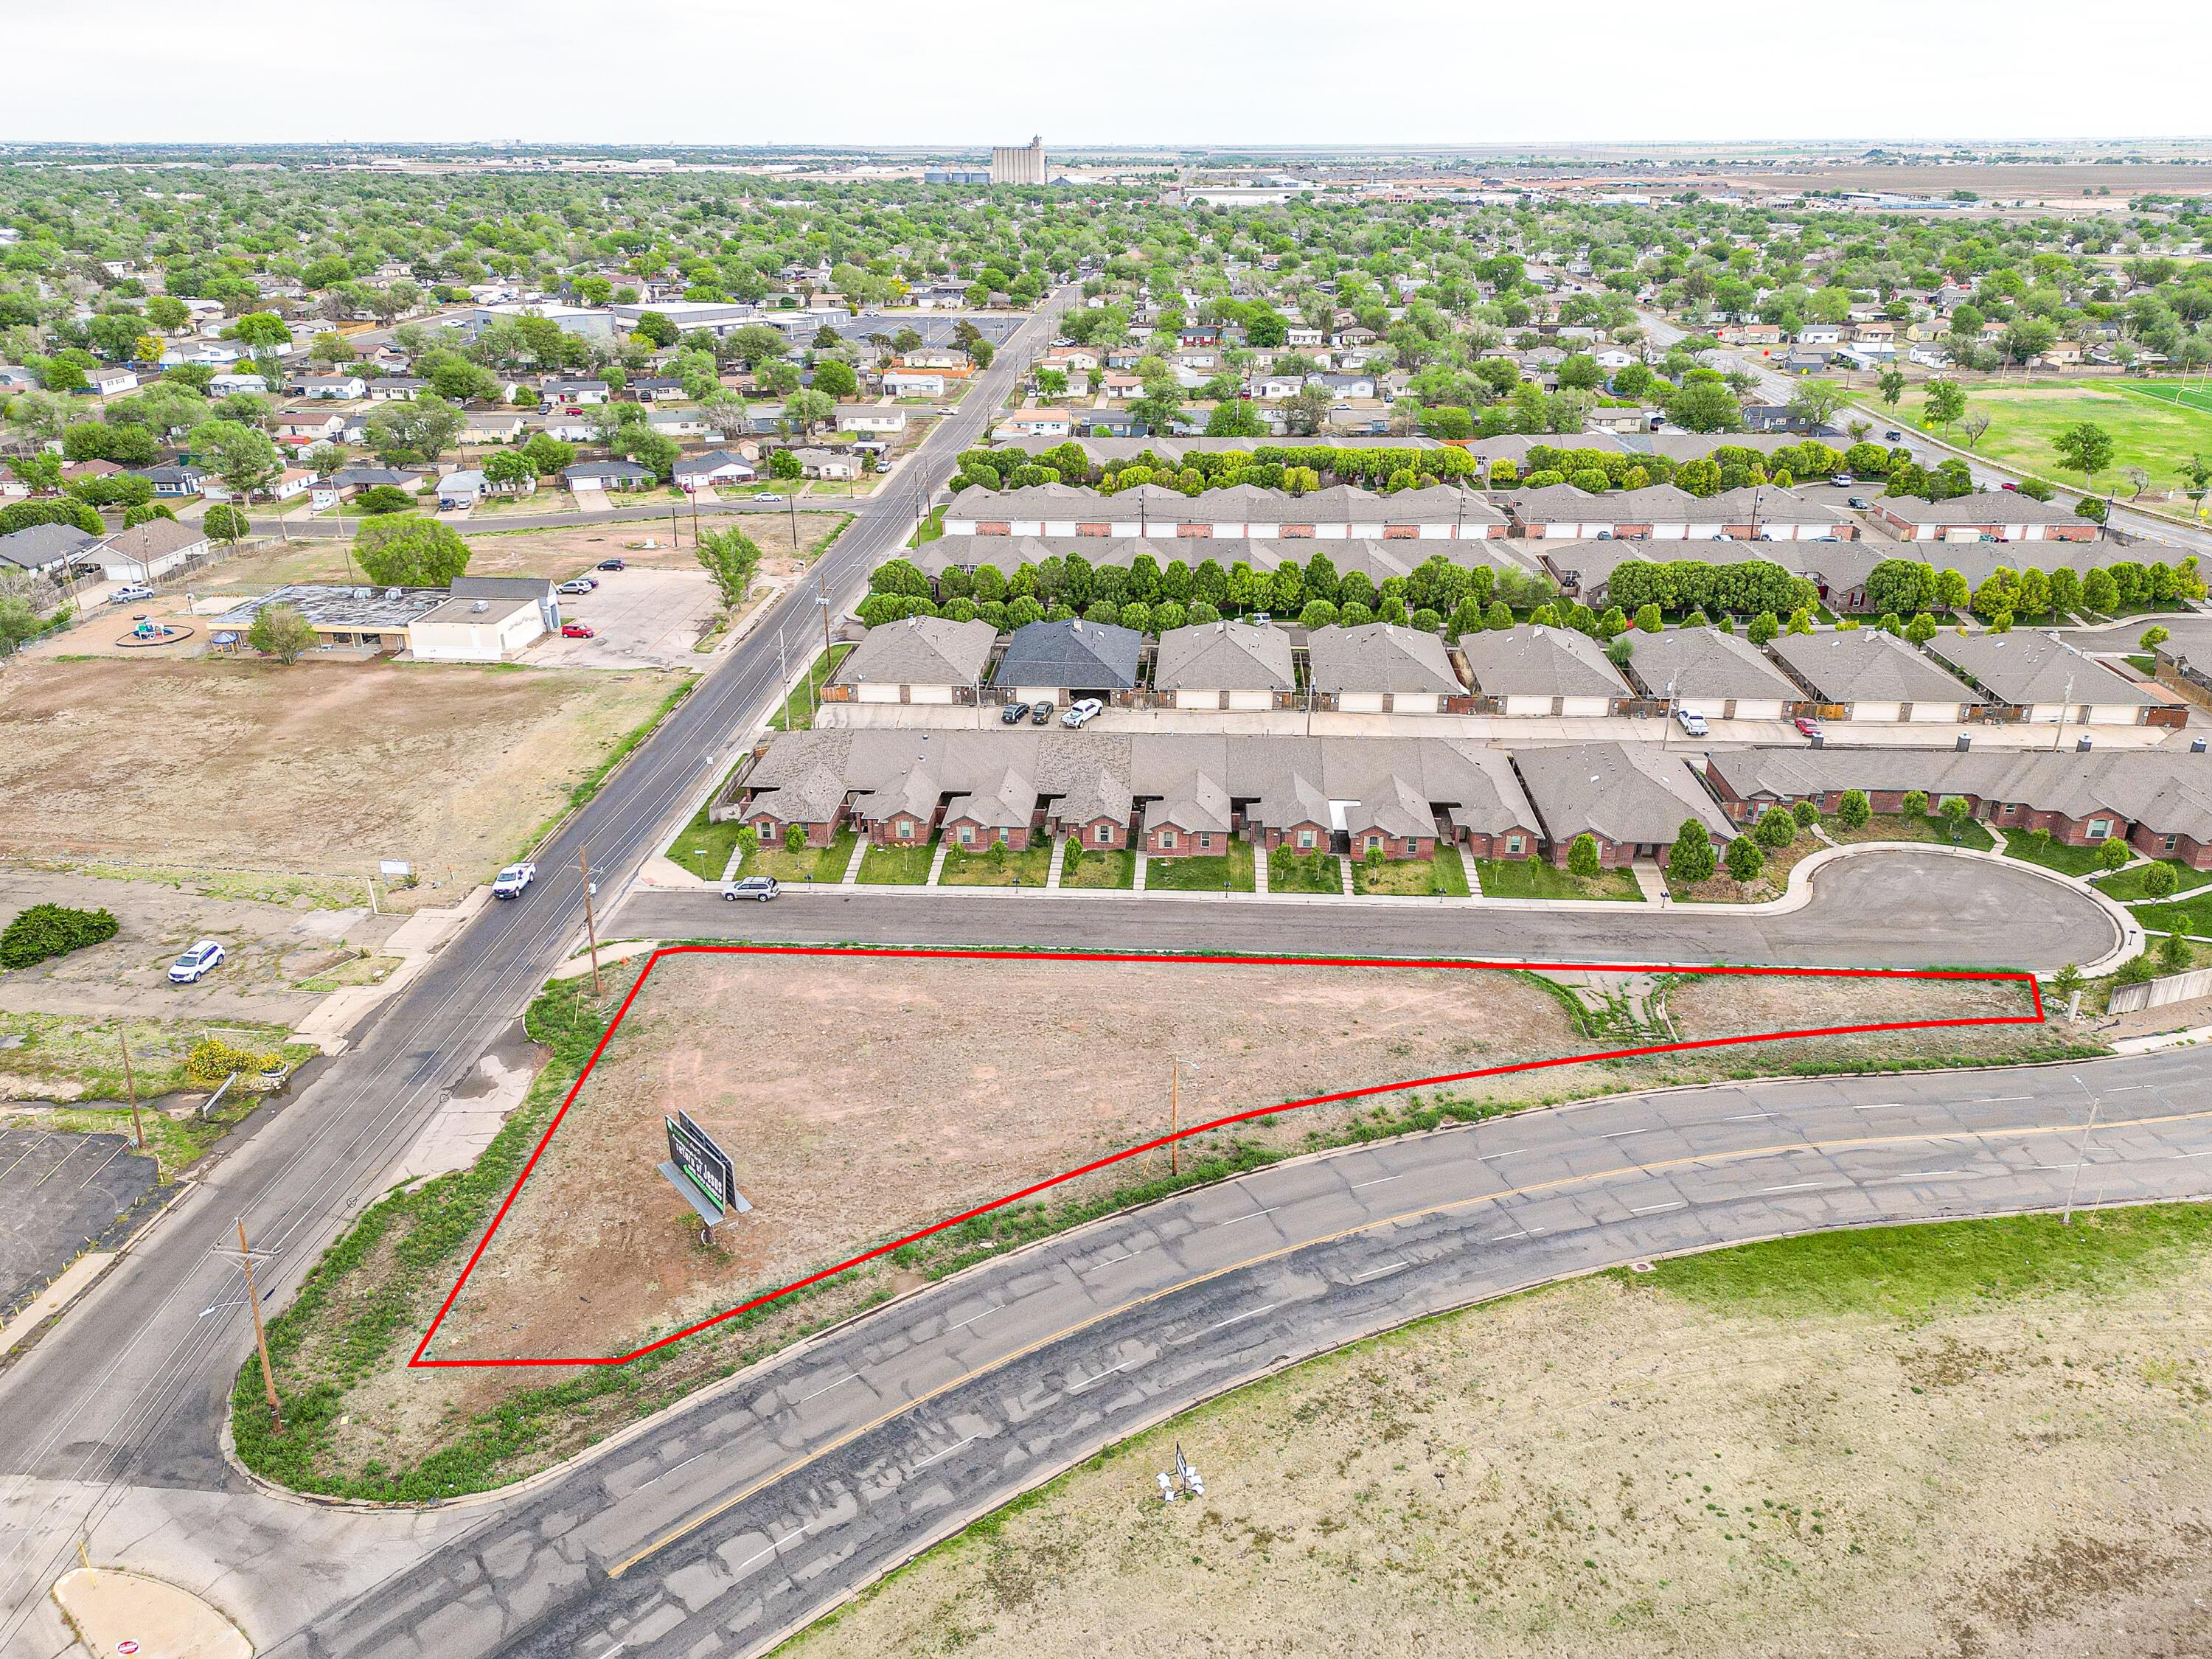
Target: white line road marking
{"x": 763, "y": 1554}
{"x": 1653, "y": 1209}
{"x": 1511, "y": 1152}
{"x": 611, "y": 1652}
{"x": 1522, "y": 1232}
{"x": 1254, "y": 1216}
{"x": 850, "y": 1377}
{"x": 947, "y": 1453}
{"x": 1379, "y": 1180}
{"x": 1103, "y": 1375}
{"x": 1236, "y": 1319}
{"x": 970, "y": 1319}
{"x": 1882, "y": 1106}
{"x": 1377, "y": 1273}
{"x": 1621, "y": 1134}
{"x": 1796, "y": 1187}
{"x": 1994, "y": 1100}
{"x": 1746, "y": 1117}
{"x": 671, "y": 1469}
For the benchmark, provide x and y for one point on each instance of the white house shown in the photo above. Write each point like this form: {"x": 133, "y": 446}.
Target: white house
{"x": 882, "y": 419}
{"x": 914, "y": 382}
{"x": 339, "y": 387}
{"x": 150, "y": 550}
{"x": 111, "y": 380}
{"x": 460, "y": 491}
{"x": 227, "y": 385}
{"x": 487, "y": 619}
{"x": 716, "y": 466}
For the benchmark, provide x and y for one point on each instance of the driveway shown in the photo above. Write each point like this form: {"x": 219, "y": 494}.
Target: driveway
{"x": 644, "y": 619}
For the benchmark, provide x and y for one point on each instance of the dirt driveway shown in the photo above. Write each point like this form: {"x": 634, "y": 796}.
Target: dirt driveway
{"x": 642, "y": 617}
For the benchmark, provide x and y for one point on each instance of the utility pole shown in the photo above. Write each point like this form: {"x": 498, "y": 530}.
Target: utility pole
{"x": 591, "y": 920}
{"x": 2081, "y": 1157}
{"x": 260, "y": 1334}
{"x": 131, "y": 1083}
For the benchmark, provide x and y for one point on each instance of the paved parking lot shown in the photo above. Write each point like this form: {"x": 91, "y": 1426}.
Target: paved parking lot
{"x": 59, "y": 1193}
{"x": 644, "y": 619}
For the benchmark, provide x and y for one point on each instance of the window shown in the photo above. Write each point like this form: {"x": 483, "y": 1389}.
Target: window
{"x": 1305, "y": 840}
{"x": 1205, "y": 841}
{"x": 967, "y": 835}
{"x": 906, "y": 829}
{"x": 1105, "y": 835}
{"x": 2165, "y": 845}
{"x": 1005, "y": 834}
{"x": 2099, "y": 828}
{"x": 1166, "y": 840}
{"x": 1513, "y": 843}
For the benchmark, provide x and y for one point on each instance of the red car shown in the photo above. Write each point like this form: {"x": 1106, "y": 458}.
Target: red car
{"x": 1809, "y": 728}
{"x": 576, "y": 631}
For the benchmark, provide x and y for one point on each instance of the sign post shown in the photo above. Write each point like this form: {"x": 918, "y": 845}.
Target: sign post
{"x": 702, "y": 1173}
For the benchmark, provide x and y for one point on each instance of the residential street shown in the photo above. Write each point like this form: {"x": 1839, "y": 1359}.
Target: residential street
{"x": 751, "y": 1509}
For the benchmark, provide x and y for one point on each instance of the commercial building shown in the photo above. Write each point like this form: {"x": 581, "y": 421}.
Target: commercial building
{"x": 1018, "y": 164}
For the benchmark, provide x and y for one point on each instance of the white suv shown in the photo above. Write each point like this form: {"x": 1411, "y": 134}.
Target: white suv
{"x": 188, "y": 969}
{"x": 1082, "y": 713}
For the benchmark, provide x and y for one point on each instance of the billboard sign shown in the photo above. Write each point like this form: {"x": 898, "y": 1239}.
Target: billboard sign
{"x": 704, "y": 1164}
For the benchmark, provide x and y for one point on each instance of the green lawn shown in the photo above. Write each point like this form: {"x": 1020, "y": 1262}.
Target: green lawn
{"x": 1440, "y": 876}
{"x": 1927, "y": 826}
{"x": 963, "y": 869}
{"x": 704, "y": 848}
{"x": 2127, "y": 885}
{"x": 797, "y": 714}
{"x": 1317, "y": 872}
{"x": 1112, "y": 867}
{"x": 2149, "y": 431}
{"x": 1201, "y": 874}
{"x": 2040, "y": 847}
{"x": 824, "y": 865}
{"x": 902, "y": 867}
{"x": 1540, "y": 878}
{"x": 2188, "y": 397}
{"x": 2190, "y": 915}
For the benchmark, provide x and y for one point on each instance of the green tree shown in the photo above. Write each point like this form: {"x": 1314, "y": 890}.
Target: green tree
{"x": 409, "y": 551}
{"x": 1775, "y": 827}
{"x": 1891, "y": 384}
{"x": 2159, "y": 880}
{"x": 243, "y": 457}
{"x": 1946, "y": 403}
{"x": 226, "y": 524}
{"x": 1853, "y": 810}
{"x": 1582, "y": 857}
{"x": 733, "y": 559}
{"x": 834, "y": 378}
{"x": 1705, "y": 406}
{"x": 1692, "y": 858}
{"x": 2085, "y": 446}
{"x": 281, "y": 631}
{"x": 2174, "y": 955}
{"x": 2114, "y": 854}
{"x": 1745, "y": 859}
{"x": 414, "y": 432}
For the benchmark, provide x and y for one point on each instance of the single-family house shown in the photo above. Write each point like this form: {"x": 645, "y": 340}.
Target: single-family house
{"x": 1063, "y": 661}
{"x": 1224, "y": 665}
{"x": 397, "y": 389}
{"x": 1631, "y": 798}
{"x": 1379, "y": 668}
{"x": 40, "y": 550}
{"x": 927, "y": 659}
{"x": 606, "y": 475}
{"x": 875, "y": 420}
{"x": 1719, "y": 675}
{"x": 1867, "y": 675}
{"x": 460, "y": 491}
{"x": 2048, "y": 681}
{"x": 153, "y": 548}
{"x": 111, "y": 380}
{"x": 337, "y": 387}
{"x": 1531, "y": 670}
{"x": 716, "y": 466}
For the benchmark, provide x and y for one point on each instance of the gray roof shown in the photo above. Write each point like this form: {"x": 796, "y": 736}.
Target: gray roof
{"x": 1866, "y": 665}
{"x": 1984, "y": 507}
{"x": 1378, "y": 657}
{"x": 1703, "y": 665}
{"x": 1071, "y": 655}
{"x": 2024, "y": 667}
{"x": 1530, "y": 661}
{"x": 1224, "y": 656}
{"x": 503, "y": 588}
{"x": 1622, "y": 791}
{"x": 921, "y": 651}
{"x": 44, "y": 544}
{"x": 1375, "y": 559}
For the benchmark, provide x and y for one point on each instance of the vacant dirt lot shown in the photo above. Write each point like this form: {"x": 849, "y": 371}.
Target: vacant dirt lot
{"x": 1734, "y": 1004}
{"x": 866, "y": 1097}
{"x": 1606, "y": 1468}
{"x": 321, "y": 768}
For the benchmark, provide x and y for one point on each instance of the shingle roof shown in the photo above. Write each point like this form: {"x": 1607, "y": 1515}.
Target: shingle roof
{"x": 1867, "y": 666}
{"x": 2023, "y": 667}
{"x": 921, "y": 651}
{"x": 1071, "y": 654}
{"x": 1378, "y": 657}
{"x": 1229, "y": 656}
{"x": 1530, "y": 661}
{"x": 42, "y": 544}
{"x": 1704, "y": 664}
{"x": 1984, "y": 507}
{"x": 1623, "y": 791}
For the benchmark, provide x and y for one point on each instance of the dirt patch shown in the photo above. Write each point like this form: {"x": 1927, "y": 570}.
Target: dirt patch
{"x": 1702, "y": 1006}
{"x": 310, "y": 768}
{"x": 866, "y": 1098}
{"x": 1602, "y": 1469}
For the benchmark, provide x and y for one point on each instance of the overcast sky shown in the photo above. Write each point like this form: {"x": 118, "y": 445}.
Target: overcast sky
{"x": 1142, "y": 71}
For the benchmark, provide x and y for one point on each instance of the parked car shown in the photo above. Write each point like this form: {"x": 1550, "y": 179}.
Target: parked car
{"x": 1013, "y": 713}
{"x": 766, "y": 495}
{"x": 576, "y": 584}
{"x": 510, "y": 882}
{"x": 1807, "y": 727}
{"x": 1859, "y": 502}
{"x": 1690, "y": 721}
{"x": 576, "y": 630}
{"x": 2010, "y": 484}
{"x": 1082, "y": 713}
{"x": 1892, "y": 436}
{"x": 187, "y": 968}
{"x": 612, "y": 564}
{"x": 762, "y": 887}
{"x": 1041, "y": 715}
{"x": 131, "y": 594}
{"x": 1841, "y": 480}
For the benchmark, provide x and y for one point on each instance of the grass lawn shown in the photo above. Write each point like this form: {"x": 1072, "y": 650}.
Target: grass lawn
{"x": 2189, "y": 915}
{"x": 1441, "y": 876}
{"x": 1304, "y": 872}
{"x": 704, "y": 848}
{"x": 932, "y": 527}
{"x": 2040, "y": 847}
{"x": 824, "y": 865}
{"x": 902, "y": 867}
{"x": 797, "y": 714}
{"x": 1542, "y": 879}
{"x": 2147, "y": 430}
{"x": 2127, "y": 885}
{"x": 1927, "y": 826}
{"x": 980, "y": 870}
{"x": 1111, "y": 866}
{"x": 1202, "y": 874}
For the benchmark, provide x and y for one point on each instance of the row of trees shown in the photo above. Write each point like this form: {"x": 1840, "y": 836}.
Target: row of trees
{"x": 1904, "y": 586}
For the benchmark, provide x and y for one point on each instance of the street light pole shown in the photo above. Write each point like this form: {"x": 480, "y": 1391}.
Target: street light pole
{"x": 2081, "y": 1157}
{"x": 591, "y": 920}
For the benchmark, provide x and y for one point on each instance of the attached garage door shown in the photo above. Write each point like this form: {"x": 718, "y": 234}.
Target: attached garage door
{"x": 1186, "y": 698}
{"x": 1251, "y": 700}
{"x": 929, "y": 694}
{"x": 1877, "y": 712}
{"x": 2113, "y": 714}
{"x": 1521, "y": 706}
{"x": 1748, "y": 708}
{"x": 1360, "y": 702}
{"x": 873, "y": 693}
{"x": 1414, "y": 703}
{"x": 1933, "y": 713}
{"x": 1585, "y": 707}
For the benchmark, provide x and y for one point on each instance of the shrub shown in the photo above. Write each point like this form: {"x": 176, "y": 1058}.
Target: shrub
{"x": 1775, "y": 827}
{"x": 1692, "y": 858}
{"x": 53, "y": 930}
{"x": 2173, "y": 955}
{"x": 2159, "y": 880}
{"x": 1806, "y": 814}
{"x": 1582, "y": 857}
{"x": 1853, "y": 809}
{"x": 1914, "y": 803}
{"x": 2113, "y": 854}
{"x": 211, "y": 1060}
{"x": 794, "y": 838}
{"x": 1745, "y": 859}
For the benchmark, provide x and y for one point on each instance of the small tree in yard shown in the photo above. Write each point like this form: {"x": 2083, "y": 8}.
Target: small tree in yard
{"x": 1745, "y": 859}
{"x": 1375, "y": 859}
{"x": 1853, "y": 809}
{"x": 2173, "y": 955}
{"x": 733, "y": 559}
{"x": 998, "y": 856}
{"x": 1692, "y": 858}
{"x": 1071, "y": 860}
{"x": 1915, "y": 804}
{"x": 1582, "y": 857}
{"x": 281, "y": 632}
{"x": 2112, "y": 854}
{"x": 2159, "y": 880}
{"x": 1777, "y": 828}
{"x": 1808, "y": 813}
{"x": 748, "y": 839}
{"x": 794, "y": 838}
{"x": 2152, "y": 638}
{"x": 1764, "y": 627}
{"x": 226, "y": 524}
{"x": 1956, "y": 814}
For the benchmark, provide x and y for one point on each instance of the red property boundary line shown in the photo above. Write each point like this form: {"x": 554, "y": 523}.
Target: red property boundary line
{"x": 416, "y": 1360}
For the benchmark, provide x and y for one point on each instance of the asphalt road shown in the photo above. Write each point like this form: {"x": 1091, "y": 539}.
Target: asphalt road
{"x": 751, "y": 1509}
{"x": 1961, "y": 912}
{"x": 130, "y": 1391}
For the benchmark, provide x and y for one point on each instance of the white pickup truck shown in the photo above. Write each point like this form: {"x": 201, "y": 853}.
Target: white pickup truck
{"x": 510, "y": 882}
